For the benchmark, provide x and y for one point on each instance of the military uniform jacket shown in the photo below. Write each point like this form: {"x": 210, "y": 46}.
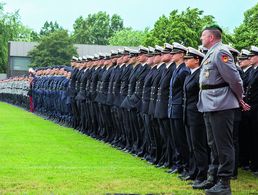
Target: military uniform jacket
{"x": 135, "y": 88}
{"x": 246, "y": 77}
{"x": 93, "y": 83}
{"x": 71, "y": 88}
{"x": 175, "y": 103}
{"x": 146, "y": 91}
{"x": 131, "y": 85}
{"x": 117, "y": 85}
{"x": 124, "y": 83}
{"x": 161, "y": 109}
{"x": 110, "y": 96}
{"x": 103, "y": 89}
{"x": 191, "y": 94}
{"x": 101, "y": 71}
{"x": 82, "y": 93}
{"x": 136, "y": 98}
{"x": 252, "y": 89}
{"x": 88, "y": 83}
{"x": 154, "y": 89}
{"x": 78, "y": 80}
{"x": 217, "y": 68}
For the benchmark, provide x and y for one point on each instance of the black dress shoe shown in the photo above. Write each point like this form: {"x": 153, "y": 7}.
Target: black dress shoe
{"x": 175, "y": 170}
{"x": 183, "y": 174}
{"x": 168, "y": 171}
{"x": 159, "y": 165}
{"x": 234, "y": 177}
{"x": 222, "y": 188}
{"x": 196, "y": 182}
{"x": 187, "y": 178}
{"x": 246, "y": 168}
{"x": 165, "y": 165}
{"x": 206, "y": 184}
{"x": 255, "y": 174}
{"x": 140, "y": 154}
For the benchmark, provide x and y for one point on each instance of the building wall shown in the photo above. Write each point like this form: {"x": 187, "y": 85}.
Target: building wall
{"x": 3, "y": 76}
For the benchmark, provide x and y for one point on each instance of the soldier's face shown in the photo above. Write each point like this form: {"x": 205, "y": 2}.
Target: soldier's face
{"x": 254, "y": 60}
{"x": 132, "y": 60}
{"x": 150, "y": 60}
{"x": 192, "y": 63}
{"x": 157, "y": 59}
{"x": 206, "y": 38}
{"x": 119, "y": 60}
{"x": 166, "y": 57}
{"x": 125, "y": 59}
{"x": 177, "y": 57}
{"x": 244, "y": 63}
{"x": 142, "y": 58}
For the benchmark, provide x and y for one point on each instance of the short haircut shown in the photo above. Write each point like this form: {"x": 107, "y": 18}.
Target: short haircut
{"x": 216, "y": 33}
{"x": 215, "y": 30}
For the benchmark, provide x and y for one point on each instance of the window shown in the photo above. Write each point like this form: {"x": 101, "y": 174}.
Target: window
{"x": 20, "y": 63}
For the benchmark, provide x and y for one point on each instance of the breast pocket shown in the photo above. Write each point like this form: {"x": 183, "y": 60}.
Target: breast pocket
{"x": 210, "y": 73}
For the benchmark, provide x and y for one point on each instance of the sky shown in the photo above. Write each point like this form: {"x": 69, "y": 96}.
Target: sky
{"x": 137, "y": 14}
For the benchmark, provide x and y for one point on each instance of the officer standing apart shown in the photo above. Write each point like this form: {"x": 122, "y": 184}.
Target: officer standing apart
{"x": 221, "y": 92}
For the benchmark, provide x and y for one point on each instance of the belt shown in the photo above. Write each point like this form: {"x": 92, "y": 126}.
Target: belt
{"x": 204, "y": 87}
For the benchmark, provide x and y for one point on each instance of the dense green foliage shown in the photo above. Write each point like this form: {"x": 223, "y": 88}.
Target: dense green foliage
{"x": 96, "y": 28}
{"x": 128, "y": 37}
{"x": 55, "y": 48}
{"x": 184, "y": 27}
{"x": 247, "y": 33}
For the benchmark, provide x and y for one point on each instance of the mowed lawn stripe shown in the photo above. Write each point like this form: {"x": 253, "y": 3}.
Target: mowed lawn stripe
{"x": 40, "y": 157}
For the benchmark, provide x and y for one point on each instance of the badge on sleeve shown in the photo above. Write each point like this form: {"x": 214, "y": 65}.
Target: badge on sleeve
{"x": 225, "y": 58}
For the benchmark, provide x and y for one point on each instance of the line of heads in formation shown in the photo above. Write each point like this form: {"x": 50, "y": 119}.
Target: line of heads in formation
{"x": 152, "y": 56}
{"x": 16, "y": 78}
{"x": 155, "y": 55}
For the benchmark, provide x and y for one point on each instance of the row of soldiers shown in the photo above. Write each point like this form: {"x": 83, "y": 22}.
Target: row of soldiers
{"x": 15, "y": 91}
{"x": 49, "y": 94}
{"x": 144, "y": 102}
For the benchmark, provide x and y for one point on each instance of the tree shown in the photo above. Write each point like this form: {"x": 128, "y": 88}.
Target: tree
{"x": 53, "y": 49}
{"x": 184, "y": 27}
{"x": 247, "y": 33}
{"x": 96, "y": 28}
{"x": 49, "y": 27}
{"x": 11, "y": 29}
{"x": 128, "y": 37}
{"x": 24, "y": 34}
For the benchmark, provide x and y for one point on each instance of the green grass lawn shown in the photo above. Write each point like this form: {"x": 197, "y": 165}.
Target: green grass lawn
{"x": 40, "y": 157}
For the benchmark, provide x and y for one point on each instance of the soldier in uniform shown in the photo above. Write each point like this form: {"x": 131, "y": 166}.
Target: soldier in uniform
{"x": 158, "y": 149}
{"x": 238, "y": 114}
{"x": 129, "y": 62}
{"x": 161, "y": 109}
{"x": 149, "y": 145}
{"x": 175, "y": 109}
{"x": 221, "y": 92}
{"x": 193, "y": 120}
{"x": 244, "y": 131}
{"x": 72, "y": 91}
{"x": 105, "y": 112}
{"x": 133, "y": 98}
{"x": 252, "y": 99}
